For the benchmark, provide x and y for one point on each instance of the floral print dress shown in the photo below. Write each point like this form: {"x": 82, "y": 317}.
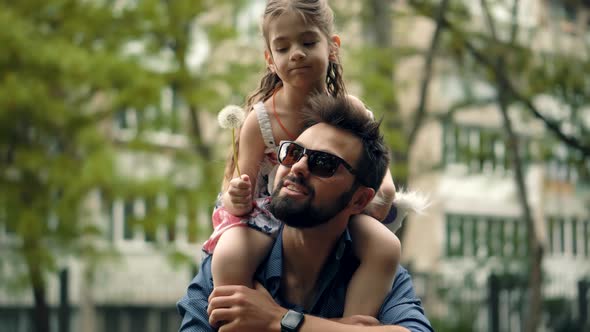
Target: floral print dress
{"x": 259, "y": 218}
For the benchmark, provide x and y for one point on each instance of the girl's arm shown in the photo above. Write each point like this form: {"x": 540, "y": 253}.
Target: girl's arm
{"x": 379, "y": 252}
{"x": 237, "y": 197}
{"x": 241, "y": 249}
{"x": 381, "y": 203}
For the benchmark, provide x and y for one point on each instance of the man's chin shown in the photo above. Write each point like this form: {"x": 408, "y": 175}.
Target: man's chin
{"x": 284, "y": 205}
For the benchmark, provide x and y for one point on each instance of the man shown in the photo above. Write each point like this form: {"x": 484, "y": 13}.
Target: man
{"x": 328, "y": 174}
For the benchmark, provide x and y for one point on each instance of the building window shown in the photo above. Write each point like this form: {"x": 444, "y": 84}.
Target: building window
{"x": 8, "y": 217}
{"x": 563, "y": 9}
{"x": 568, "y": 236}
{"x": 128, "y": 220}
{"x": 165, "y": 116}
{"x": 483, "y": 236}
{"x": 144, "y": 219}
{"x": 564, "y": 164}
{"x": 484, "y": 149}
{"x": 479, "y": 148}
{"x": 586, "y": 238}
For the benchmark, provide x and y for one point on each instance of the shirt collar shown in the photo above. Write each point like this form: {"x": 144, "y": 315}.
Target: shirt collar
{"x": 272, "y": 268}
{"x": 271, "y": 271}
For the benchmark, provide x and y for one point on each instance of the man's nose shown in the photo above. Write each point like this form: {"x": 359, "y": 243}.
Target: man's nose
{"x": 300, "y": 167}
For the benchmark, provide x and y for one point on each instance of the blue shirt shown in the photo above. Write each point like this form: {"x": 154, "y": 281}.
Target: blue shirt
{"x": 401, "y": 306}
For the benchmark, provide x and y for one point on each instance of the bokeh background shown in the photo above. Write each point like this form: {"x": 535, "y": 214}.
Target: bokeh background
{"x": 111, "y": 156}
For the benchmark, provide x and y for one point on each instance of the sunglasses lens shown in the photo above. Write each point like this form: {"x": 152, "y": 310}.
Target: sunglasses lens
{"x": 323, "y": 164}
{"x": 320, "y": 163}
{"x": 289, "y": 154}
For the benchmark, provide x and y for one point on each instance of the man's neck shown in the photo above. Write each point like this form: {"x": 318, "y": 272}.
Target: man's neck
{"x": 305, "y": 252}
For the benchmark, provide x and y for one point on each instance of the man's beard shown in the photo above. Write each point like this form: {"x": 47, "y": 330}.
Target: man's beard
{"x": 303, "y": 214}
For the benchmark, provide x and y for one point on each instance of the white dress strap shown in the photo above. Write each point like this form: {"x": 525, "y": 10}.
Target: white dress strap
{"x": 265, "y": 126}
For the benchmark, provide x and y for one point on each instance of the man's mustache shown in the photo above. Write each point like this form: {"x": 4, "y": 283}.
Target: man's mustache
{"x": 296, "y": 180}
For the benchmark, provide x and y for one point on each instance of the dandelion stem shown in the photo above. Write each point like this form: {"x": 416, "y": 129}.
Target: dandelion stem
{"x": 233, "y": 144}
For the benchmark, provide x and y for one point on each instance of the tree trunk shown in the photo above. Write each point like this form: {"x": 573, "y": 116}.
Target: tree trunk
{"x": 41, "y": 309}
{"x": 427, "y": 74}
{"x": 378, "y": 31}
{"x": 535, "y": 250}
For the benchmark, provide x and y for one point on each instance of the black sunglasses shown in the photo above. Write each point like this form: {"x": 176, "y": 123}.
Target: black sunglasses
{"x": 319, "y": 163}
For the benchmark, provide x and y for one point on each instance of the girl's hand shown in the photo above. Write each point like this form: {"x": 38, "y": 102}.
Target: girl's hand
{"x": 238, "y": 197}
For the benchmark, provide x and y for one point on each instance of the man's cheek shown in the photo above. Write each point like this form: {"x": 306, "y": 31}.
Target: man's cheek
{"x": 281, "y": 173}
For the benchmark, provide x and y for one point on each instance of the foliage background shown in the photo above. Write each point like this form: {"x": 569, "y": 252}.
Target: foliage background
{"x": 87, "y": 84}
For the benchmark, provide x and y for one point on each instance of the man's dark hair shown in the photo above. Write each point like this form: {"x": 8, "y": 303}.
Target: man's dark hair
{"x": 339, "y": 112}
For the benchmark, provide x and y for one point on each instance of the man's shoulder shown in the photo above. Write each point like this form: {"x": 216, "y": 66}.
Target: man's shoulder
{"x": 192, "y": 307}
{"x": 204, "y": 279}
{"x": 402, "y": 286}
{"x": 402, "y": 306}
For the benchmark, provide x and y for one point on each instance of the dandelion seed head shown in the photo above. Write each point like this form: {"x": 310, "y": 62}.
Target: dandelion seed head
{"x": 231, "y": 116}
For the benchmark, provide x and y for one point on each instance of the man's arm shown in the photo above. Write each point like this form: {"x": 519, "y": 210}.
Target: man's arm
{"x": 193, "y": 306}
{"x": 402, "y": 307}
{"x": 239, "y": 308}
{"x": 244, "y": 309}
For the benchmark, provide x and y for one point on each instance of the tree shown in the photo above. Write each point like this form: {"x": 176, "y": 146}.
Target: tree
{"x": 69, "y": 69}
{"x": 508, "y": 60}
{"x": 378, "y": 60}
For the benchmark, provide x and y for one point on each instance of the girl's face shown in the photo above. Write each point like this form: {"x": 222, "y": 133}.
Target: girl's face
{"x": 299, "y": 53}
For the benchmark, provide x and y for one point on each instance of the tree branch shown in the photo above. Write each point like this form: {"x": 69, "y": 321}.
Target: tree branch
{"x": 551, "y": 125}
{"x": 465, "y": 103}
{"x": 536, "y": 250}
{"x": 489, "y": 20}
{"x": 427, "y": 74}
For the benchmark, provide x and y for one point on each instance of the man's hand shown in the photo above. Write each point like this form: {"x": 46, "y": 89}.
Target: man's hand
{"x": 239, "y": 308}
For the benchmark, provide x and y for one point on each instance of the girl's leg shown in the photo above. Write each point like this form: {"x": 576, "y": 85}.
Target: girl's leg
{"x": 237, "y": 255}
{"x": 379, "y": 251}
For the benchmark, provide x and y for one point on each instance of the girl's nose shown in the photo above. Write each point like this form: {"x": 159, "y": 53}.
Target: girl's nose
{"x": 297, "y": 55}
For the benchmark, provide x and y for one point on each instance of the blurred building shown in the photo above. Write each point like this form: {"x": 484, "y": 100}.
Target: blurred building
{"x": 137, "y": 287}
{"x": 474, "y": 227}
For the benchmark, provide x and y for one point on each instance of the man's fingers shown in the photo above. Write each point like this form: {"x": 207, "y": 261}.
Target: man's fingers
{"x": 221, "y": 315}
{"x": 226, "y": 290}
{"x": 258, "y": 286}
{"x": 225, "y": 301}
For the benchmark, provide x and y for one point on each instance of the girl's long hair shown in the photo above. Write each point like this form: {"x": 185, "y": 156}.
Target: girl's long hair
{"x": 312, "y": 12}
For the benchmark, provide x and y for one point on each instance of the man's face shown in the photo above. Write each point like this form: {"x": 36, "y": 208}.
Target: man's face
{"x": 300, "y": 198}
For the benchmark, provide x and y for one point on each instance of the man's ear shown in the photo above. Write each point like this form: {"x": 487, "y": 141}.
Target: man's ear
{"x": 269, "y": 60}
{"x": 334, "y": 48}
{"x": 361, "y": 198}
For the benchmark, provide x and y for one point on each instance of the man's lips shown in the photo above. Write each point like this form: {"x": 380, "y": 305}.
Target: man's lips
{"x": 295, "y": 187}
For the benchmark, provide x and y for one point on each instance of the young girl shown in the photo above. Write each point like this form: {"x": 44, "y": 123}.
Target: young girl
{"x": 302, "y": 58}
